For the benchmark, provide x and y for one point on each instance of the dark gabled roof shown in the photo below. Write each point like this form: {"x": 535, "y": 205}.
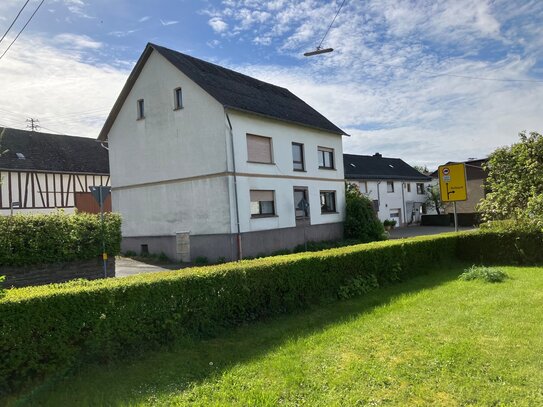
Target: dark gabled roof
{"x": 367, "y": 167}
{"x": 233, "y": 90}
{"x": 51, "y": 152}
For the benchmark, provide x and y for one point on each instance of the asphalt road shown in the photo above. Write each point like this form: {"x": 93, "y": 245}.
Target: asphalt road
{"x": 412, "y": 231}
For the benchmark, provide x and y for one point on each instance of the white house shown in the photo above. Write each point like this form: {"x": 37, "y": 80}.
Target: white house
{"x": 208, "y": 162}
{"x": 398, "y": 191}
{"x": 42, "y": 172}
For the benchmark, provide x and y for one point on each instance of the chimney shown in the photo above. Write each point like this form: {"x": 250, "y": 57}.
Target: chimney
{"x": 378, "y": 155}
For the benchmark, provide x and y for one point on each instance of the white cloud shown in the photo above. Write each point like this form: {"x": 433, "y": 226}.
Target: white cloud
{"x": 168, "y": 22}
{"x": 122, "y": 34}
{"x": 143, "y": 19}
{"x": 77, "y": 41}
{"x": 218, "y": 25}
{"x": 58, "y": 87}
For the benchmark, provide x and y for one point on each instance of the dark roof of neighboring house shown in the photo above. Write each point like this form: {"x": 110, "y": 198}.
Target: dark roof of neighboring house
{"x": 366, "y": 167}
{"x": 231, "y": 89}
{"x": 51, "y": 152}
{"x": 474, "y": 169}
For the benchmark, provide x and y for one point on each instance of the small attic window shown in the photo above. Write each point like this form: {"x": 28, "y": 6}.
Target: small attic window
{"x": 20, "y": 156}
{"x": 390, "y": 165}
{"x": 141, "y": 109}
{"x": 178, "y": 98}
{"x": 352, "y": 165}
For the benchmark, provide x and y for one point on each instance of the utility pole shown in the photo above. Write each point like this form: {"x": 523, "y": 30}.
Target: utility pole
{"x": 33, "y": 124}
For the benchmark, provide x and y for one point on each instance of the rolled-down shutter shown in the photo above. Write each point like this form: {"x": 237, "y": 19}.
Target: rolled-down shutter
{"x": 259, "y": 149}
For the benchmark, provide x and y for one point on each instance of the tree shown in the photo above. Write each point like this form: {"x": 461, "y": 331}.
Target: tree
{"x": 421, "y": 169}
{"x": 361, "y": 222}
{"x": 433, "y": 199}
{"x": 515, "y": 181}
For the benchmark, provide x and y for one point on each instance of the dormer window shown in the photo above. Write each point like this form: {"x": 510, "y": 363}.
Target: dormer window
{"x": 178, "y": 98}
{"x": 141, "y": 109}
{"x": 20, "y": 156}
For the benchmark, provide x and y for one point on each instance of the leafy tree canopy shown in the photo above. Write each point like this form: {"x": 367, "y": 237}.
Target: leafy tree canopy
{"x": 515, "y": 181}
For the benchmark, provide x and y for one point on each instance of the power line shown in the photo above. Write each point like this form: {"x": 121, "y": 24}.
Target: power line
{"x": 13, "y": 22}
{"x": 478, "y": 77}
{"x": 22, "y": 29}
{"x": 330, "y": 26}
{"x": 33, "y": 124}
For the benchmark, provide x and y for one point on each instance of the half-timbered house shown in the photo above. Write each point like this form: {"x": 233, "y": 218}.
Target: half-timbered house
{"x": 41, "y": 172}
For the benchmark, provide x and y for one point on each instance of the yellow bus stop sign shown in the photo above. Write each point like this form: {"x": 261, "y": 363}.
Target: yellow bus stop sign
{"x": 452, "y": 182}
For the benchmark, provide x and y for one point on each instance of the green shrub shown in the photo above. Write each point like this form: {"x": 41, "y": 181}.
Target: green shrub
{"x": 57, "y": 237}
{"x": 488, "y": 274}
{"x": 361, "y": 222}
{"x": 201, "y": 260}
{"x": 48, "y": 328}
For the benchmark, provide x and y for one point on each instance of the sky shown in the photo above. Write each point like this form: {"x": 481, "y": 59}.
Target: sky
{"x": 426, "y": 81}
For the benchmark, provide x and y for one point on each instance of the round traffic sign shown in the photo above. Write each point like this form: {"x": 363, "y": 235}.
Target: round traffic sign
{"x": 446, "y": 171}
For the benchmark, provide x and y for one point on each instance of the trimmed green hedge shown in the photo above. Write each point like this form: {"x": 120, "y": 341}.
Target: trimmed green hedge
{"x": 57, "y": 237}
{"x": 49, "y": 328}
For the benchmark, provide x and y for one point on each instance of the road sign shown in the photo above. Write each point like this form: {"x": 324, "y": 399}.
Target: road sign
{"x": 452, "y": 182}
{"x": 100, "y": 194}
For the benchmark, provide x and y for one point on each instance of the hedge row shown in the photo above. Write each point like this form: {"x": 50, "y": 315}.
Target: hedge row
{"x": 49, "y": 328}
{"x": 57, "y": 237}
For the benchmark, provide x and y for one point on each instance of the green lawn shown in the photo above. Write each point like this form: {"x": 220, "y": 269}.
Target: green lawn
{"x": 434, "y": 340}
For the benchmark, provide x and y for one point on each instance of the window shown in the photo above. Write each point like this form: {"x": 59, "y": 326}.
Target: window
{"x": 178, "y": 98}
{"x": 420, "y": 188}
{"x": 326, "y": 158}
{"x": 259, "y": 149}
{"x": 408, "y": 186}
{"x": 363, "y": 187}
{"x": 141, "y": 109}
{"x": 390, "y": 186}
{"x": 301, "y": 203}
{"x": 328, "y": 201}
{"x": 262, "y": 203}
{"x": 298, "y": 157}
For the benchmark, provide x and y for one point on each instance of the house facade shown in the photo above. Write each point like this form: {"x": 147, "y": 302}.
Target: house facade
{"x": 207, "y": 162}
{"x": 41, "y": 172}
{"x": 398, "y": 191}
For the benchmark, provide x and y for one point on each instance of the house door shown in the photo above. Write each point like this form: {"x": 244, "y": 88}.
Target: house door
{"x": 301, "y": 206}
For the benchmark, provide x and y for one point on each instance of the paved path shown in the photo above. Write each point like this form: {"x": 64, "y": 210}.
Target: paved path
{"x": 411, "y": 231}
{"x": 125, "y": 266}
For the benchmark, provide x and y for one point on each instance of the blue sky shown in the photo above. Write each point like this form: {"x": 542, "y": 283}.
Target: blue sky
{"x": 427, "y": 81}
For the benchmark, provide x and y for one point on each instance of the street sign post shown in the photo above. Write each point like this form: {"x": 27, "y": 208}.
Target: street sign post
{"x": 452, "y": 185}
{"x": 100, "y": 194}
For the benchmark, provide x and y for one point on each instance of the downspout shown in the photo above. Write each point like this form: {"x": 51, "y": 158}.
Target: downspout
{"x": 238, "y": 236}
{"x": 403, "y": 205}
{"x": 378, "y": 198}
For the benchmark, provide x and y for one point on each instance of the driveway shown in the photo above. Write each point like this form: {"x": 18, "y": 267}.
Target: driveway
{"x": 125, "y": 266}
{"x": 411, "y": 231}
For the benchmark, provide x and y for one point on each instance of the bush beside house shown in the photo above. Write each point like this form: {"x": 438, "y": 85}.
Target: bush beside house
{"x": 58, "y": 237}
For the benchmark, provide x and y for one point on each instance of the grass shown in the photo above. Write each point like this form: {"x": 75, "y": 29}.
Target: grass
{"x": 434, "y": 340}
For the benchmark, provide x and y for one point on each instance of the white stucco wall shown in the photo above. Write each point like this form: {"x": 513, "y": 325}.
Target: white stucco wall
{"x": 393, "y": 200}
{"x": 280, "y": 176}
{"x": 169, "y": 145}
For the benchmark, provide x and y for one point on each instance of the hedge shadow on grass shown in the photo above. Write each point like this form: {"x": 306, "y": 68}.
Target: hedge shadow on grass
{"x": 175, "y": 368}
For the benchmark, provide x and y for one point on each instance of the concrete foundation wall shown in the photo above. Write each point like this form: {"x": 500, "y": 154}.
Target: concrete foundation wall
{"x": 224, "y": 246}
